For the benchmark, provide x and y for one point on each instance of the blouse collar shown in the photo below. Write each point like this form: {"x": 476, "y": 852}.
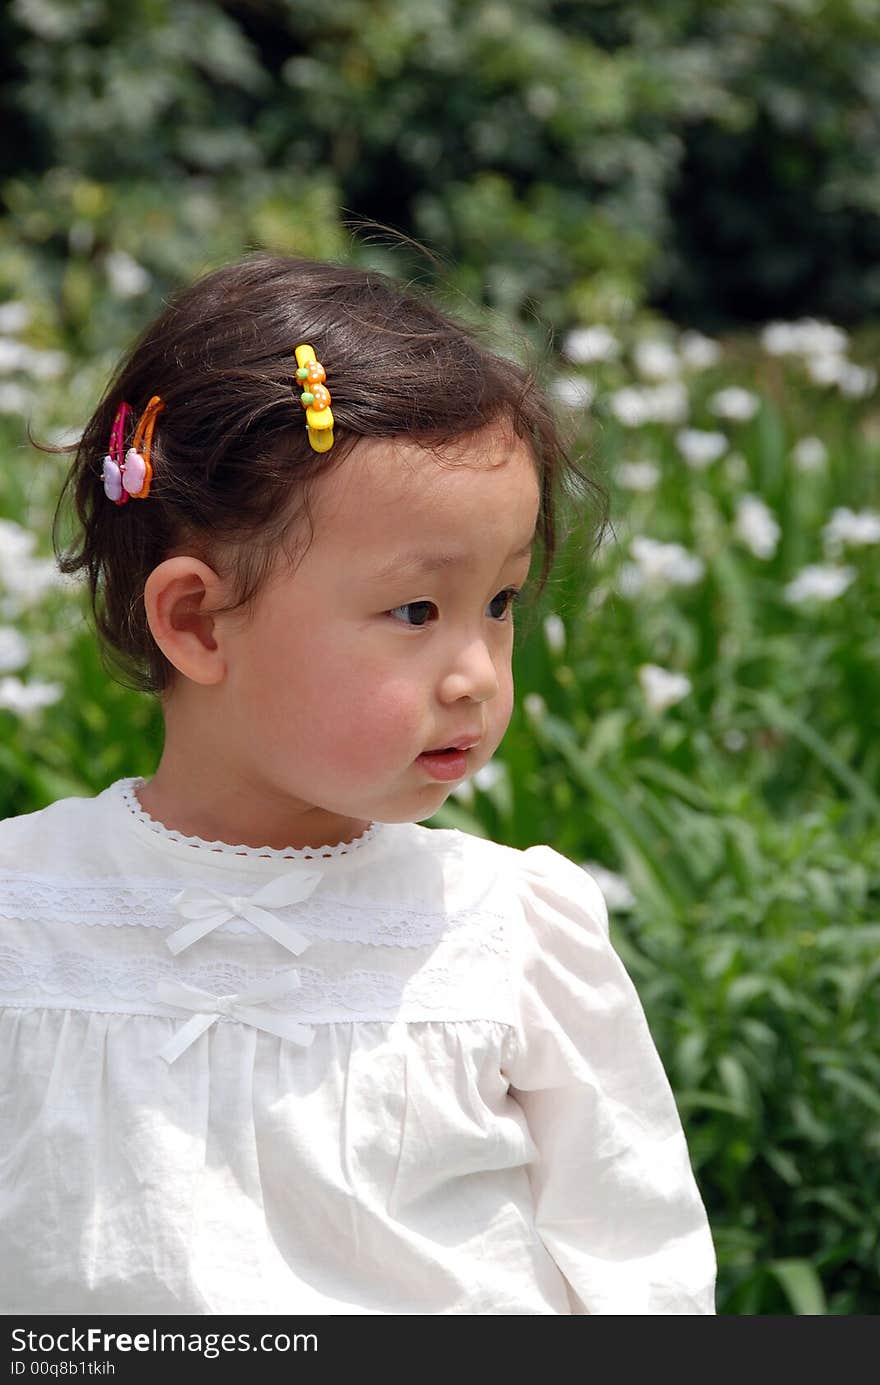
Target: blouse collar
{"x": 218, "y": 852}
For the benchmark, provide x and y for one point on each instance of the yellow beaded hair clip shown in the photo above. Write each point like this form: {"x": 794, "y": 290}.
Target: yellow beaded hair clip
{"x": 315, "y": 398}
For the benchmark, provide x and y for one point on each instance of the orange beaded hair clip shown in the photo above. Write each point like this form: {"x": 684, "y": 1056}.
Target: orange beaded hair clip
{"x": 315, "y": 398}
{"x": 129, "y": 479}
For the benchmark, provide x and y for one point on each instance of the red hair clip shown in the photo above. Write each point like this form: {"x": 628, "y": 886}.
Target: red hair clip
{"x": 129, "y": 479}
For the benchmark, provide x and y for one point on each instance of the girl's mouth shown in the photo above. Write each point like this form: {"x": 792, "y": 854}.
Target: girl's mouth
{"x": 444, "y": 765}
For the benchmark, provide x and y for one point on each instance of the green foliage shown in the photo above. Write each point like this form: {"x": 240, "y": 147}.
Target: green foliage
{"x": 574, "y": 160}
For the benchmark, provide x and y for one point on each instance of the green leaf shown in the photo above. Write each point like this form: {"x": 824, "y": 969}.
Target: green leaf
{"x": 783, "y": 719}
{"x": 736, "y": 1083}
{"x": 710, "y": 1101}
{"x": 801, "y": 1285}
{"x": 784, "y": 1165}
{"x": 856, "y": 1086}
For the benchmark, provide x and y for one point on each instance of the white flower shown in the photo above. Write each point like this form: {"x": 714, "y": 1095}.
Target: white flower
{"x": 700, "y": 448}
{"x": 463, "y": 791}
{"x": 584, "y": 345}
{"x": 22, "y": 698}
{"x": 14, "y": 316}
{"x": 630, "y": 580}
{"x": 490, "y": 775}
{"x": 554, "y": 633}
{"x": 24, "y": 580}
{"x": 808, "y": 337}
{"x": 670, "y": 563}
{"x": 14, "y": 398}
{"x": 662, "y": 689}
{"x": 819, "y": 582}
{"x": 637, "y": 476}
{"x": 45, "y": 365}
{"x": 816, "y": 337}
{"x": 825, "y": 369}
{"x": 809, "y": 454}
{"x": 698, "y": 352}
{"x": 534, "y": 705}
{"x": 125, "y": 276}
{"x": 735, "y": 403}
{"x": 15, "y": 542}
{"x": 574, "y": 390}
{"x": 849, "y": 527}
{"x": 666, "y": 403}
{"x": 856, "y": 381}
{"x": 830, "y": 368}
{"x": 823, "y": 348}
{"x": 14, "y": 649}
{"x": 757, "y": 527}
{"x": 617, "y": 893}
{"x": 779, "y": 338}
{"x": 13, "y": 355}
{"x": 628, "y": 406}
{"x": 655, "y": 359}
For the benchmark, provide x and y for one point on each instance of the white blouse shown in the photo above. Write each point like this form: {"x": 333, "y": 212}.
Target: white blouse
{"x": 406, "y": 1075}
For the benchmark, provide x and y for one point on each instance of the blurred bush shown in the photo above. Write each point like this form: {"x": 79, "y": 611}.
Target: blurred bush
{"x": 573, "y": 159}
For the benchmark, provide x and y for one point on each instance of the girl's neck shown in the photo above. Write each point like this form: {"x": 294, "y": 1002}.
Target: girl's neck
{"x": 201, "y": 810}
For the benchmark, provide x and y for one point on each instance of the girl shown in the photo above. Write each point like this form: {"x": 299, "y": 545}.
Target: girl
{"x": 270, "y": 1045}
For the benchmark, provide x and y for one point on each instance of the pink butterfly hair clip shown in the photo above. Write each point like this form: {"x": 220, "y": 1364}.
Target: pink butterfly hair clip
{"x": 129, "y": 478}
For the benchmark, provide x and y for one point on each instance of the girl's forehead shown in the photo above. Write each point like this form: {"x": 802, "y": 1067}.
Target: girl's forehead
{"x": 390, "y": 510}
{"x": 384, "y": 483}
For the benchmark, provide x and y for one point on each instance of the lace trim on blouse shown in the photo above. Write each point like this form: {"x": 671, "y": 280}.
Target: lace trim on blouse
{"x": 126, "y": 790}
{"x": 146, "y": 903}
{"x": 70, "y": 979}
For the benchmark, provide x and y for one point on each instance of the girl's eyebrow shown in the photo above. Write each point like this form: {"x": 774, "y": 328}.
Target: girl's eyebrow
{"x": 410, "y": 564}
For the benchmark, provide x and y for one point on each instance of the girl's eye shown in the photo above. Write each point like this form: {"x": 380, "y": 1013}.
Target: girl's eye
{"x": 509, "y": 596}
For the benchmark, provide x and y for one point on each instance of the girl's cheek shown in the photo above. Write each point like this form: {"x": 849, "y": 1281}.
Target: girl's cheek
{"x": 393, "y": 706}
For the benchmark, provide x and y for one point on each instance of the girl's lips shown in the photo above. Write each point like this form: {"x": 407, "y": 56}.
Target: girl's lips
{"x": 466, "y": 742}
{"x": 444, "y": 766}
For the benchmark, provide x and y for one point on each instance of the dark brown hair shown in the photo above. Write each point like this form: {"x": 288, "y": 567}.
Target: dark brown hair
{"x": 231, "y": 458}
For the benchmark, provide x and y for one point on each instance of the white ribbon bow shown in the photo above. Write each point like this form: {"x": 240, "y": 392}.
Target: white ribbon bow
{"x": 209, "y": 908}
{"x": 241, "y": 1007}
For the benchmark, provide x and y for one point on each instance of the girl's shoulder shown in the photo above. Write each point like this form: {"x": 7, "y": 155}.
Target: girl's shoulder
{"x": 47, "y": 834}
{"x": 556, "y": 882}
{"x": 545, "y": 880}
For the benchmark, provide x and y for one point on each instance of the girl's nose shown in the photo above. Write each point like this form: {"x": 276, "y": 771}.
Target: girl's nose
{"x": 471, "y": 673}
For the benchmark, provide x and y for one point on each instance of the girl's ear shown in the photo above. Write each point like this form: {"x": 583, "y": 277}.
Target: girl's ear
{"x": 179, "y": 596}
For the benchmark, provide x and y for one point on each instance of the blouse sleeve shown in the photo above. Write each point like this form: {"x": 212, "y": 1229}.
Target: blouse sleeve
{"x": 616, "y": 1202}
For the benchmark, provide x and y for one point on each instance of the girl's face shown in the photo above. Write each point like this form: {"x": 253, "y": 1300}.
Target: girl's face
{"x": 368, "y": 653}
